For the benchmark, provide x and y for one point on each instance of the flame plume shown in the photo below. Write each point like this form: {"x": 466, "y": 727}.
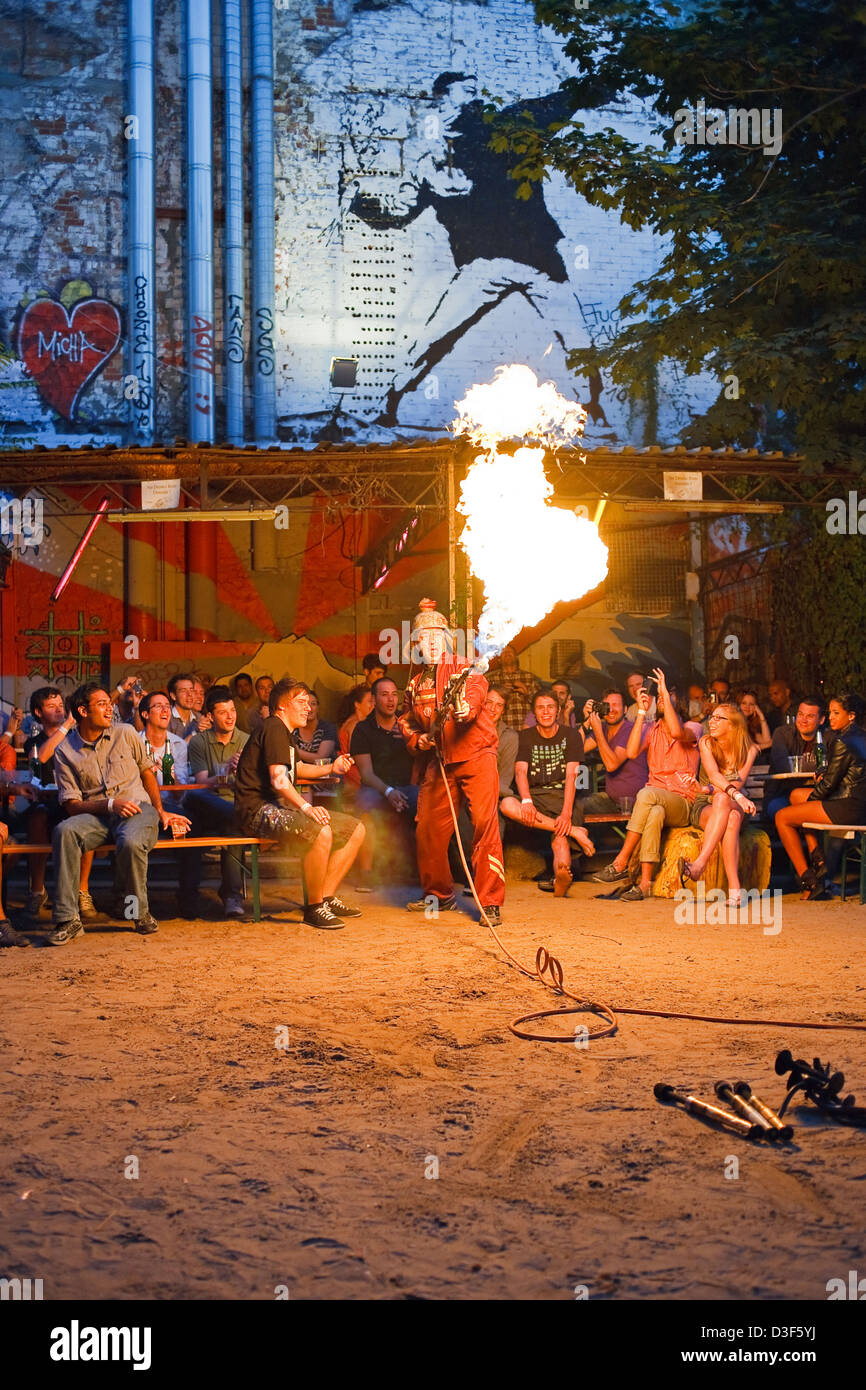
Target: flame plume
{"x": 528, "y": 554}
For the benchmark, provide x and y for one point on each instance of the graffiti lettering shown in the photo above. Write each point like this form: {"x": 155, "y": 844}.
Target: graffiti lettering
{"x": 141, "y": 318}
{"x": 265, "y": 356}
{"x": 602, "y": 323}
{"x": 202, "y": 336}
{"x": 71, "y": 345}
{"x": 235, "y": 346}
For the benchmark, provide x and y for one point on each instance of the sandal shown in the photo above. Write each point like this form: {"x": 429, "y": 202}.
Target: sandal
{"x": 809, "y": 886}
{"x": 684, "y": 869}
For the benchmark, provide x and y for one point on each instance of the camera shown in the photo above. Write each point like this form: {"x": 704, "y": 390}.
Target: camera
{"x": 137, "y": 687}
{"x": 600, "y": 707}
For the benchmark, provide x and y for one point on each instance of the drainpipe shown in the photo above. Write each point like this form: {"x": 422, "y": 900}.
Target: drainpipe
{"x": 262, "y": 74}
{"x": 235, "y": 306}
{"x": 141, "y": 317}
{"x": 199, "y": 222}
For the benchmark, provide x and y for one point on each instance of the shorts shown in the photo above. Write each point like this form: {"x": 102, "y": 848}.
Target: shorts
{"x": 284, "y": 823}
{"x": 549, "y": 801}
{"x": 700, "y": 804}
{"x": 842, "y": 810}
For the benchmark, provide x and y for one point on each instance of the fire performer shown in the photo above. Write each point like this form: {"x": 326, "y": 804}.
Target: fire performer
{"x": 447, "y": 715}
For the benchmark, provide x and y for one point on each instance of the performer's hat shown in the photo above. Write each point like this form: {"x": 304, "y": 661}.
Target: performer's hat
{"x": 429, "y": 617}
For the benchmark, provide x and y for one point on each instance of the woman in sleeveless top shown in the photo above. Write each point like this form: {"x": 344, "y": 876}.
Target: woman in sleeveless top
{"x": 727, "y": 755}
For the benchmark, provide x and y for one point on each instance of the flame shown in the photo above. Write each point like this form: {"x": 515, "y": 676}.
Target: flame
{"x": 528, "y": 554}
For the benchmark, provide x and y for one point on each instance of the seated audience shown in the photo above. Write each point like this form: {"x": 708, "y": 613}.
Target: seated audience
{"x": 8, "y": 935}
{"x": 318, "y": 737}
{"x": 264, "y": 686}
{"x": 756, "y": 724}
{"x": 268, "y": 803}
{"x": 184, "y": 720}
{"x": 789, "y": 741}
{"x": 168, "y": 754}
{"x": 356, "y": 706}
{"x": 727, "y": 755}
{"x": 48, "y": 708}
{"x": 384, "y": 765}
{"x": 108, "y": 792}
{"x": 374, "y": 669}
{"x": 698, "y": 704}
{"x": 781, "y": 704}
{"x": 199, "y": 690}
{"x": 125, "y": 699}
{"x": 519, "y": 687}
{"x": 667, "y": 799}
{"x": 548, "y": 760}
{"x": 634, "y": 683}
{"x": 624, "y": 776}
{"x": 213, "y": 761}
{"x": 837, "y": 798}
{"x": 244, "y": 698}
{"x": 14, "y": 734}
{"x": 564, "y": 698}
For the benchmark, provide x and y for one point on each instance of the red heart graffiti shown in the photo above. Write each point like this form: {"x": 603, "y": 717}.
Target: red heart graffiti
{"x": 62, "y": 351}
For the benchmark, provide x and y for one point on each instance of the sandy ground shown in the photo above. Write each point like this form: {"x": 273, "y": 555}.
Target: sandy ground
{"x": 305, "y": 1166}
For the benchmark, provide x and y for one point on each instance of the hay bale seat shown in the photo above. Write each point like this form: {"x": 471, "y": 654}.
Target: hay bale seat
{"x": 685, "y": 843}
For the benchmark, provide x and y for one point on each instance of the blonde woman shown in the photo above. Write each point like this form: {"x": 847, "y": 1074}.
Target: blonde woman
{"x": 727, "y": 755}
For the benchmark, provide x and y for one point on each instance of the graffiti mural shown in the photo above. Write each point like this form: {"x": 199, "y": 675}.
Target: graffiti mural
{"x": 62, "y": 655}
{"x": 64, "y": 351}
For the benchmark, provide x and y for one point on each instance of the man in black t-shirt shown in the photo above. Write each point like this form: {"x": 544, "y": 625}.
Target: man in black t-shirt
{"x": 267, "y": 803}
{"x": 548, "y": 760}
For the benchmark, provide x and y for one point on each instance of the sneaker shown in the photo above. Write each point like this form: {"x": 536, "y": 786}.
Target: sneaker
{"x": 632, "y": 895}
{"x": 35, "y": 902}
{"x": 545, "y": 884}
{"x": 10, "y": 937}
{"x": 65, "y": 932}
{"x": 322, "y": 917}
{"x": 610, "y": 875}
{"x": 422, "y": 904}
{"x": 342, "y": 909}
{"x": 146, "y": 925}
{"x": 86, "y": 907}
{"x": 233, "y": 905}
{"x": 494, "y": 917}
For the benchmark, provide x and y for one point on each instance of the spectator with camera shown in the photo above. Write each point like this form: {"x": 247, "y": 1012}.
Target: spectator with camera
{"x": 608, "y": 733}
{"x": 635, "y": 681}
{"x": 184, "y": 719}
{"x": 546, "y": 772}
{"x": 666, "y": 800}
{"x": 48, "y": 710}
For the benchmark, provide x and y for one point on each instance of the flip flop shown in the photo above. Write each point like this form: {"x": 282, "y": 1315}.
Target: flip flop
{"x": 683, "y": 870}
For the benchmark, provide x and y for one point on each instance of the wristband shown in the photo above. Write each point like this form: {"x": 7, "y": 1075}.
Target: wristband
{"x": 388, "y": 791}
{"x": 526, "y": 801}
{"x": 111, "y": 803}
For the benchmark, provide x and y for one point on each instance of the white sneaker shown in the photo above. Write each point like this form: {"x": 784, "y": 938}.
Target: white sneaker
{"x": 233, "y": 905}
{"x": 86, "y": 907}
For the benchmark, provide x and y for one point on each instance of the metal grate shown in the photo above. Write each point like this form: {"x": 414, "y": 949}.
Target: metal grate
{"x": 566, "y": 658}
{"x": 647, "y": 569}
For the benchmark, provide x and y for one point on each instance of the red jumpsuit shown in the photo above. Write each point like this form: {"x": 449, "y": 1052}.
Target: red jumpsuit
{"x": 469, "y": 752}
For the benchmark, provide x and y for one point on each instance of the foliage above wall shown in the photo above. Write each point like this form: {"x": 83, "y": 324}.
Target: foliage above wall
{"x": 754, "y": 178}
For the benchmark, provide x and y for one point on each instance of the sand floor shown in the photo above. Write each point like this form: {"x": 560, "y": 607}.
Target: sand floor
{"x": 283, "y": 1095}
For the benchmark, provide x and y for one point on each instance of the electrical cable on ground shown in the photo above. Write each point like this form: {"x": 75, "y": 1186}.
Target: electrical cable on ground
{"x": 548, "y": 972}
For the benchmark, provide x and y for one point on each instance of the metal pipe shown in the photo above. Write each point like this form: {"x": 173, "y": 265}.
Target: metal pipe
{"x": 141, "y": 233}
{"x": 199, "y": 222}
{"x": 725, "y": 1091}
{"x": 668, "y": 1095}
{"x": 784, "y": 1132}
{"x": 262, "y": 126}
{"x": 235, "y": 303}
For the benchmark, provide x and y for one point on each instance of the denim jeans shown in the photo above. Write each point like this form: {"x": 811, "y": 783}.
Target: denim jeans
{"x": 211, "y": 814}
{"x": 134, "y": 837}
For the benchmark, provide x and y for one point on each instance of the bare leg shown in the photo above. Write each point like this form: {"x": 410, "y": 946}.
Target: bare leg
{"x": 315, "y": 865}
{"x": 731, "y": 851}
{"x": 632, "y": 838}
{"x": 342, "y": 860}
{"x": 787, "y": 822}
{"x": 513, "y": 809}
{"x": 86, "y": 866}
{"x": 714, "y": 820}
{"x": 561, "y": 864}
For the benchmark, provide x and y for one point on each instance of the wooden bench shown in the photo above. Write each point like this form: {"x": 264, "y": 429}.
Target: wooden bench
{"x": 617, "y": 822}
{"x": 252, "y": 842}
{"x": 855, "y": 839}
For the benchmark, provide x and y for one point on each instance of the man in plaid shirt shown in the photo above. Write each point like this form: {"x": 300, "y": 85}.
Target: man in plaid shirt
{"x": 518, "y": 687}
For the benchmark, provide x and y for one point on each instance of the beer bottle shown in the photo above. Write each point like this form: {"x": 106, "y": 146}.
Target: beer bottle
{"x": 167, "y": 768}
{"x": 820, "y": 753}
